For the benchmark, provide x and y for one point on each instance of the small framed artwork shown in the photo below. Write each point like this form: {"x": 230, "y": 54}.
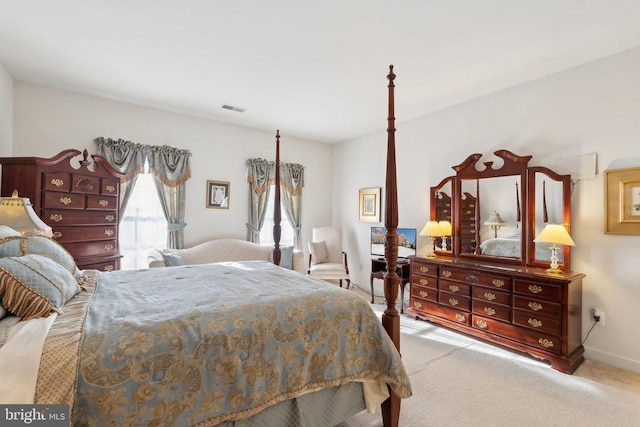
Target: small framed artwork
{"x": 218, "y": 194}
{"x": 370, "y": 204}
{"x": 622, "y": 201}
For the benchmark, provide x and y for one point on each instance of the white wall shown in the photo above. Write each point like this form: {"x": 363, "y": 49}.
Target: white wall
{"x": 48, "y": 121}
{"x": 592, "y": 108}
{"x": 6, "y": 112}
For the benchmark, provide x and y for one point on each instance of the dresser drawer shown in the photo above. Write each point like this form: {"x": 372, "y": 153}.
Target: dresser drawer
{"x": 427, "y": 281}
{"x": 493, "y": 311}
{"x": 424, "y": 292}
{"x": 424, "y": 269}
{"x": 85, "y": 184}
{"x": 538, "y": 290}
{"x": 90, "y": 249}
{"x": 110, "y": 188}
{"x": 533, "y": 338}
{"x": 454, "y": 300}
{"x": 454, "y": 287}
{"x": 54, "y": 199}
{"x": 102, "y": 202}
{"x": 111, "y": 265}
{"x": 475, "y": 277}
{"x": 537, "y": 306}
{"x": 56, "y": 181}
{"x": 545, "y": 324}
{"x": 491, "y": 295}
{"x": 83, "y": 234}
{"x": 55, "y": 217}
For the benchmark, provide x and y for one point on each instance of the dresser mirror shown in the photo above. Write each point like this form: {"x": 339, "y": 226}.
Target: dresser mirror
{"x": 441, "y": 210}
{"x": 499, "y": 206}
{"x": 551, "y": 201}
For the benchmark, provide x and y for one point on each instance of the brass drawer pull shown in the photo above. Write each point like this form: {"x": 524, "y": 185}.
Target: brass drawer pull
{"x": 417, "y": 304}
{"x": 103, "y": 202}
{"x": 65, "y": 200}
{"x": 424, "y": 282}
{"x": 481, "y": 324}
{"x": 108, "y": 247}
{"x": 57, "y": 234}
{"x": 108, "y": 268}
{"x": 498, "y": 283}
{"x": 109, "y": 218}
{"x": 453, "y": 301}
{"x": 454, "y": 288}
{"x": 460, "y": 317}
{"x": 446, "y": 273}
{"x": 535, "y": 306}
{"x": 57, "y": 182}
{"x": 535, "y": 289}
{"x": 489, "y": 296}
{"x": 110, "y": 188}
{"x": 490, "y": 311}
{"x": 535, "y": 323}
{"x": 424, "y": 269}
{"x": 108, "y": 233}
{"x": 546, "y": 343}
{"x": 424, "y": 294}
{"x": 55, "y": 217}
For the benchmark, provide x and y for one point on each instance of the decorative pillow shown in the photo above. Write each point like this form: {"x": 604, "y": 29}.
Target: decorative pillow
{"x": 286, "y": 256}
{"x": 34, "y": 285}
{"x": 319, "y": 252}
{"x": 16, "y": 246}
{"x": 6, "y": 231}
{"x": 172, "y": 259}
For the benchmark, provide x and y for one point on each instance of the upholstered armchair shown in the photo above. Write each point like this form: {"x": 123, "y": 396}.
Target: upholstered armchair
{"x": 327, "y": 260}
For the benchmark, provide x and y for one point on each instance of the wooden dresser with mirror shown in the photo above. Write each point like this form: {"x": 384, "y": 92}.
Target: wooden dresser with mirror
{"x": 493, "y": 282}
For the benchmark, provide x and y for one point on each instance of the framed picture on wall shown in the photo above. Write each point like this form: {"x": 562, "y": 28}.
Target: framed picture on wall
{"x": 218, "y": 194}
{"x": 622, "y": 201}
{"x": 369, "y": 202}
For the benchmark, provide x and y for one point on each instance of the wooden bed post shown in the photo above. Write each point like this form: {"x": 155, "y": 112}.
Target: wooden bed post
{"x": 276, "y": 206}
{"x": 390, "y": 317}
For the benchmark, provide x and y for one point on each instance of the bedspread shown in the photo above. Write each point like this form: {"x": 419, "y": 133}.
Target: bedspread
{"x": 204, "y": 344}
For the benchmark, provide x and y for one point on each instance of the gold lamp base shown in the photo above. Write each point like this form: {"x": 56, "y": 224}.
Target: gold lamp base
{"x": 554, "y": 271}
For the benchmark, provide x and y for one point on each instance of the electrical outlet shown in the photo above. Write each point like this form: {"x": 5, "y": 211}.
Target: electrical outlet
{"x": 596, "y": 312}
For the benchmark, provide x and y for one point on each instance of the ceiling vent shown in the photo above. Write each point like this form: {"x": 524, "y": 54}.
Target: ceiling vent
{"x": 232, "y": 108}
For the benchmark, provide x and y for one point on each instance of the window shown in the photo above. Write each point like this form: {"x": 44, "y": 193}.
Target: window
{"x": 266, "y": 233}
{"x": 143, "y": 226}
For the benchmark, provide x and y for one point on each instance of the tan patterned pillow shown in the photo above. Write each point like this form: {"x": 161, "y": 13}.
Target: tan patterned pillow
{"x": 319, "y": 252}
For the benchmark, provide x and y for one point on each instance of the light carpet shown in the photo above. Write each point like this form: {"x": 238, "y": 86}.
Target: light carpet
{"x": 460, "y": 381}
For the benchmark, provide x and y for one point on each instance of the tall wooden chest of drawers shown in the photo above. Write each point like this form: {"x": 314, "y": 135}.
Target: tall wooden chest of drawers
{"x": 78, "y": 200}
{"x": 524, "y": 308}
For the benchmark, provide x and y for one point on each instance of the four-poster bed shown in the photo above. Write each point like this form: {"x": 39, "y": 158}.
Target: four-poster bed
{"x": 211, "y": 344}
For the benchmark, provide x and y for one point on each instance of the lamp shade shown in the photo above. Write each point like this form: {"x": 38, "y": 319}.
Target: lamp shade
{"x": 554, "y": 233}
{"x": 495, "y": 219}
{"x": 432, "y": 228}
{"x": 17, "y": 213}
{"x": 445, "y": 226}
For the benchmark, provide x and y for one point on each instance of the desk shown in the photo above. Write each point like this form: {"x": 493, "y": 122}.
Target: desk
{"x": 379, "y": 268}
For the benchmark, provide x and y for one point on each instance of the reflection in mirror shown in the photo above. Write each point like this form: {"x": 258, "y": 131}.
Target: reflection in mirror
{"x": 549, "y": 209}
{"x": 490, "y": 217}
{"x": 441, "y": 197}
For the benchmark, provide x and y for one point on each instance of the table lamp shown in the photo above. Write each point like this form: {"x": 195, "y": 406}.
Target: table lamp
{"x": 495, "y": 221}
{"x": 445, "y": 226}
{"x": 556, "y": 234}
{"x": 431, "y": 229}
{"x": 17, "y": 213}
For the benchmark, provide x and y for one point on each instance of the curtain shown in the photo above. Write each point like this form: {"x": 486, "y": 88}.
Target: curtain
{"x": 259, "y": 180}
{"x": 292, "y": 182}
{"x": 126, "y": 157}
{"x": 170, "y": 168}
{"x": 260, "y": 177}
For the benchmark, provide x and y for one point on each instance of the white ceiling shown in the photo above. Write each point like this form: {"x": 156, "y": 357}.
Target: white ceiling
{"x": 314, "y": 69}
